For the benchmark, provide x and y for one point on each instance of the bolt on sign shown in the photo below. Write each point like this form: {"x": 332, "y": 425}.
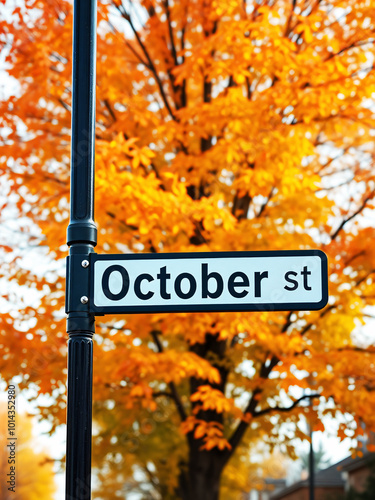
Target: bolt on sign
{"x": 203, "y": 282}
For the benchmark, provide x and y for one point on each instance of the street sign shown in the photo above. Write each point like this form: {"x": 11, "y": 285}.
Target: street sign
{"x": 218, "y": 281}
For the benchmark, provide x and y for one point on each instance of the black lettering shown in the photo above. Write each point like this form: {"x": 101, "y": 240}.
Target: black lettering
{"x": 163, "y": 276}
{"x": 193, "y": 286}
{"x": 125, "y": 282}
{"x": 305, "y": 273}
{"x": 214, "y": 276}
{"x": 258, "y": 279}
{"x": 290, "y": 280}
{"x": 137, "y": 286}
{"x": 232, "y": 284}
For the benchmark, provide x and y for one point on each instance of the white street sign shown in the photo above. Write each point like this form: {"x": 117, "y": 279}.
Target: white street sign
{"x": 222, "y": 281}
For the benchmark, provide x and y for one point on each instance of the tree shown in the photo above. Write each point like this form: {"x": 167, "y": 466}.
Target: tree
{"x": 221, "y": 125}
{"x": 34, "y": 470}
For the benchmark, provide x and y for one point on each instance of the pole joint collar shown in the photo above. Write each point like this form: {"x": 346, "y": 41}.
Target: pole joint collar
{"x": 82, "y": 232}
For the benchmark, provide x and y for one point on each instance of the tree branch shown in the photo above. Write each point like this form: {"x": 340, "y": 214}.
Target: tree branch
{"x": 140, "y": 59}
{"x": 151, "y": 66}
{"x": 64, "y": 104}
{"x": 110, "y": 110}
{"x": 169, "y": 22}
{"x": 353, "y": 257}
{"x": 286, "y": 408}
{"x": 353, "y": 45}
{"x": 265, "y": 204}
{"x": 350, "y": 217}
{"x": 307, "y": 327}
{"x": 364, "y": 350}
{"x": 287, "y": 27}
{"x": 173, "y": 394}
{"x": 266, "y": 369}
{"x": 361, "y": 280}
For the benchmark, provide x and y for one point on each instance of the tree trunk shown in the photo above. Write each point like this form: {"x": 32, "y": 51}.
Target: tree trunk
{"x": 202, "y": 480}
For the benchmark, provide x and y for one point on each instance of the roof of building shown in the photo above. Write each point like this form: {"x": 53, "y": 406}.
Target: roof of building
{"x": 350, "y": 464}
{"x": 330, "y": 477}
{"x": 327, "y": 478}
{"x": 275, "y": 482}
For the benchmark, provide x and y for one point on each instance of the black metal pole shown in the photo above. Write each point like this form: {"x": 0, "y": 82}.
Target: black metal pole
{"x": 311, "y": 464}
{"x": 81, "y": 238}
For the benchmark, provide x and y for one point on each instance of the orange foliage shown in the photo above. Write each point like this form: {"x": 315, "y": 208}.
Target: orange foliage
{"x": 34, "y": 477}
{"x": 221, "y": 125}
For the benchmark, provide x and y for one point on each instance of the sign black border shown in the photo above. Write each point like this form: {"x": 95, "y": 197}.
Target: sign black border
{"x": 284, "y": 306}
